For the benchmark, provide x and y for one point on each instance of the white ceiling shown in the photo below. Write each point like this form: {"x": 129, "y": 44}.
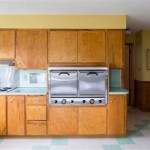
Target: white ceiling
{"x": 137, "y": 11}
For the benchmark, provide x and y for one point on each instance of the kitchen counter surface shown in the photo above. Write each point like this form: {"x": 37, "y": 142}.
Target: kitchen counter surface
{"x": 26, "y": 91}
{"x": 118, "y": 90}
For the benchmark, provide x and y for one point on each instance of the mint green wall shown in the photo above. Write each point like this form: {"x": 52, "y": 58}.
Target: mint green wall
{"x": 115, "y": 78}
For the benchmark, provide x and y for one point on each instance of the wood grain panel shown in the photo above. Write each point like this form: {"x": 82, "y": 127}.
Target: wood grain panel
{"x": 15, "y": 115}
{"x": 35, "y": 112}
{"x": 91, "y": 46}
{"x": 7, "y": 44}
{"x": 2, "y": 115}
{"x": 62, "y": 121}
{"x": 92, "y": 120}
{"x": 115, "y": 41}
{"x": 36, "y": 127}
{"x": 117, "y": 114}
{"x": 62, "y": 46}
{"x": 36, "y": 100}
{"x": 31, "y": 49}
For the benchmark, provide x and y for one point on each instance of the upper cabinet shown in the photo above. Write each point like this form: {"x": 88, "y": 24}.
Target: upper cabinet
{"x": 91, "y": 46}
{"x": 115, "y": 45}
{"x": 7, "y": 44}
{"x": 62, "y": 46}
{"x": 31, "y": 49}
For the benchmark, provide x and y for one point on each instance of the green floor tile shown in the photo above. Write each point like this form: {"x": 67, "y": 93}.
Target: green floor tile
{"x": 147, "y": 121}
{"x": 122, "y": 141}
{"x": 59, "y": 142}
{"x": 134, "y": 133}
{"x": 143, "y": 127}
{"x": 111, "y": 147}
{"x": 1, "y": 140}
{"x": 40, "y": 148}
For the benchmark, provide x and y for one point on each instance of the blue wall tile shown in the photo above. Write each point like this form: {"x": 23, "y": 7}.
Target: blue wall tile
{"x": 115, "y": 77}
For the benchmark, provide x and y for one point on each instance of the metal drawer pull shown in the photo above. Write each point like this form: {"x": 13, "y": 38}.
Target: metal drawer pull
{"x": 92, "y": 73}
{"x": 64, "y": 73}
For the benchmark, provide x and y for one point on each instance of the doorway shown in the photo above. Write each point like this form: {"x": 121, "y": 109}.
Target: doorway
{"x": 128, "y": 72}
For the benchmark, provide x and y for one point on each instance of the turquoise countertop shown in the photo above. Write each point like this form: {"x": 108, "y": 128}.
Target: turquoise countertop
{"x": 42, "y": 91}
{"x": 26, "y": 91}
{"x": 118, "y": 90}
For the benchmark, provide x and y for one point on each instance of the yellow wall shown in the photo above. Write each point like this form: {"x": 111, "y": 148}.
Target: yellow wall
{"x": 64, "y": 21}
{"x": 145, "y": 46}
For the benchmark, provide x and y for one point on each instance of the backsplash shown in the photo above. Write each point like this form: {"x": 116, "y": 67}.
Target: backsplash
{"x": 115, "y": 78}
{"x": 32, "y": 78}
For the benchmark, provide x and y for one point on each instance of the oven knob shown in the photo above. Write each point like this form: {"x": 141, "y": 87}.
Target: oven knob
{"x": 72, "y": 101}
{"x": 55, "y": 101}
{"x": 64, "y": 101}
{"x": 84, "y": 101}
{"x": 100, "y": 101}
{"x": 92, "y": 101}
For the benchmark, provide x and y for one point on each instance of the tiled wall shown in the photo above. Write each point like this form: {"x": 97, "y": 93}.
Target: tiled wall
{"x": 115, "y": 78}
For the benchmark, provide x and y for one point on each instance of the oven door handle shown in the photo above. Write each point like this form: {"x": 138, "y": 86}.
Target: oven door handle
{"x": 64, "y": 73}
{"x": 92, "y": 73}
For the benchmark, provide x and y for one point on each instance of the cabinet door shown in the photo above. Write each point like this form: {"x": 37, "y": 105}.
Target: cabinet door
{"x": 62, "y": 121}
{"x": 36, "y": 127}
{"x": 36, "y": 112}
{"x": 7, "y": 44}
{"x": 117, "y": 110}
{"x": 62, "y": 47}
{"x": 15, "y": 115}
{"x": 2, "y": 115}
{"x": 91, "y": 46}
{"x": 92, "y": 120}
{"x": 115, "y": 51}
{"x": 31, "y": 49}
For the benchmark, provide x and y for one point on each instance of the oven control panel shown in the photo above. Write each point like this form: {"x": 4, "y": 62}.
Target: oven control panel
{"x": 77, "y": 101}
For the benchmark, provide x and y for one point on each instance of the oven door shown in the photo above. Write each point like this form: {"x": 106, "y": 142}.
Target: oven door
{"x": 92, "y": 83}
{"x": 63, "y": 83}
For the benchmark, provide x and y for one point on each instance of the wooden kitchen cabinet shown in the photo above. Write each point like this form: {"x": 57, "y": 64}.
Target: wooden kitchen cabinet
{"x": 2, "y": 115}
{"x": 15, "y": 115}
{"x": 92, "y": 120}
{"x": 7, "y": 44}
{"x": 91, "y": 46}
{"x": 31, "y": 49}
{"x": 36, "y": 112}
{"x": 62, "y": 46}
{"x": 36, "y": 128}
{"x": 117, "y": 111}
{"x": 115, "y": 45}
{"x": 62, "y": 121}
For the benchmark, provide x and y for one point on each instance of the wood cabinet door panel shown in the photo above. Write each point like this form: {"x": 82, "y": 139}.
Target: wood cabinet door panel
{"x": 115, "y": 48}
{"x": 116, "y": 114}
{"x": 62, "y": 121}
{"x": 7, "y": 44}
{"x": 36, "y": 100}
{"x": 36, "y": 112}
{"x": 31, "y": 49}
{"x": 92, "y": 120}
{"x": 91, "y": 46}
{"x": 36, "y": 127}
{"x": 15, "y": 115}
{"x": 62, "y": 46}
{"x": 2, "y": 115}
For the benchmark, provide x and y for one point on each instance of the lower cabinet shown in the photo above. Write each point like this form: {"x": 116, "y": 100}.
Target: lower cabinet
{"x": 2, "y": 115}
{"x": 62, "y": 121}
{"x": 92, "y": 120}
{"x": 15, "y": 115}
{"x": 117, "y": 111}
{"x": 36, "y": 128}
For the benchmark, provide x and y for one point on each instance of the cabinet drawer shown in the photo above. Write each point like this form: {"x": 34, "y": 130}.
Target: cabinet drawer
{"x": 36, "y": 127}
{"x": 36, "y": 100}
{"x": 36, "y": 112}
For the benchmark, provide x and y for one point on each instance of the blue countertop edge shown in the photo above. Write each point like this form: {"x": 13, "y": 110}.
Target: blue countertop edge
{"x": 118, "y": 90}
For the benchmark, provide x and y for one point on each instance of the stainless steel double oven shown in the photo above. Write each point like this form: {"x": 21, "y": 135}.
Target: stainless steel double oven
{"x": 78, "y": 85}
